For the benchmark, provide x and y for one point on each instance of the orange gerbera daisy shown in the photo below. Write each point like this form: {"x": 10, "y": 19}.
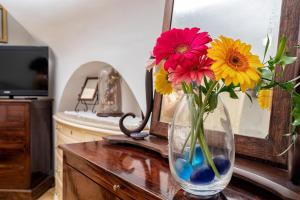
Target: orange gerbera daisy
{"x": 265, "y": 99}
{"x": 234, "y": 63}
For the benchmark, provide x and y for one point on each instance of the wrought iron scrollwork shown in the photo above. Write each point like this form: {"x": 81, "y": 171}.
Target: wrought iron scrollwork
{"x": 149, "y": 102}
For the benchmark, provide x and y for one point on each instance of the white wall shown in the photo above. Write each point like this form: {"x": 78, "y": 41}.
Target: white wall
{"x": 118, "y": 32}
{"x": 18, "y": 35}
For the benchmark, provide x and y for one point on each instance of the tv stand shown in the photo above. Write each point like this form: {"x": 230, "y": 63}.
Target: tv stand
{"x": 23, "y": 98}
{"x": 31, "y": 98}
{"x": 26, "y": 148}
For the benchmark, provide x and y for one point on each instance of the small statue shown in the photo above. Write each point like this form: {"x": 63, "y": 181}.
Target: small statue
{"x": 109, "y": 93}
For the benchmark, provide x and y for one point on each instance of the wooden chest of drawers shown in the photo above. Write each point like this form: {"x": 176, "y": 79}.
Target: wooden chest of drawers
{"x": 100, "y": 171}
{"x": 26, "y": 162}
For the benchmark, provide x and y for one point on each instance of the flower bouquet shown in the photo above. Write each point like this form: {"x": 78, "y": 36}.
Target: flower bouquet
{"x": 201, "y": 144}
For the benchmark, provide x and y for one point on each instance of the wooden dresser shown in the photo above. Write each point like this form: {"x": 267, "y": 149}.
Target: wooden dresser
{"x": 26, "y": 161}
{"x": 69, "y": 130}
{"x": 100, "y": 171}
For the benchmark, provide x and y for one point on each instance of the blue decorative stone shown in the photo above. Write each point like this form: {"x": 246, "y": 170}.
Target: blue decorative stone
{"x": 222, "y": 164}
{"x": 183, "y": 168}
{"x": 197, "y": 158}
{"x": 202, "y": 175}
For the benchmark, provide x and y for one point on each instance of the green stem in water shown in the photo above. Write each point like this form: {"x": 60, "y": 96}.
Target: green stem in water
{"x": 207, "y": 153}
{"x": 200, "y": 117}
{"x": 194, "y": 136}
{"x": 185, "y": 142}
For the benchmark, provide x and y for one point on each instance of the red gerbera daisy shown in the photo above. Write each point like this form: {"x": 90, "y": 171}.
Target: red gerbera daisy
{"x": 193, "y": 72}
{"x": 179, "y": 46}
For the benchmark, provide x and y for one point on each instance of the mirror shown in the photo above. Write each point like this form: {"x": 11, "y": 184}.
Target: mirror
{"x": 250, "y": 21}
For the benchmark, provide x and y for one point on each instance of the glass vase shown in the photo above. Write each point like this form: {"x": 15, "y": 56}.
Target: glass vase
{"x": 201, "y": 147}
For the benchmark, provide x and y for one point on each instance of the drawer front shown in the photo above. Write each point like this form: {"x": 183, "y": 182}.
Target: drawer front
{"x": 13, "y": 116}
{"x": 77, "y": 134}
{"x": 109, "y": 181}
{"x": 63, "y": 138}
{"x": 12, "y": 135}
{"x": 14, "y": 170}
{"x": 79, "y": 187}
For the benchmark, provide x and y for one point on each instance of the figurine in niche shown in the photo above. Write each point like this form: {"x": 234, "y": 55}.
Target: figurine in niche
{"x": 110, "y": 103}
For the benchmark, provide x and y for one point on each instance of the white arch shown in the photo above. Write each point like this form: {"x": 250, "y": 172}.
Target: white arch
{"x": 76, "y": 80}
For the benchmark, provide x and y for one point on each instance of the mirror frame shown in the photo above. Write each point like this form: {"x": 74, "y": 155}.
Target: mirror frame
{"x": 267, "y": 149}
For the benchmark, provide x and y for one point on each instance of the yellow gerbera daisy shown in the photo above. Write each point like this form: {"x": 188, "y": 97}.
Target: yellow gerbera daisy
{"x": 162, "y": 85}
{"x": 265, "y": 99}
{"x": 234, "y": 63}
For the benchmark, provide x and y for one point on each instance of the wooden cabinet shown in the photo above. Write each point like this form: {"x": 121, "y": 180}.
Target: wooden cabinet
{"x": 26, "y": 161}
{"x": 67, "y": 131}
{"x": 101, "y": 171}
{"x": 89, "y": 191}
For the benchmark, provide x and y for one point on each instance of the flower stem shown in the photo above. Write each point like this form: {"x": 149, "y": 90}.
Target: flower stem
{"x": 198, "y": 133}
{"x": 185, "y": 142}
{"x": 207, "y": 153}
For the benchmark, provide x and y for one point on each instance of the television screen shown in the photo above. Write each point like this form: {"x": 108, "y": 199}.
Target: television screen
{"x": 23, "y": 71}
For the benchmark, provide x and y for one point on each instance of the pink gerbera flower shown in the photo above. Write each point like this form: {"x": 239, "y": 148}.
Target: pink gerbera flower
{"x": 193, "y": 72}
{"x": 179, "y": 46}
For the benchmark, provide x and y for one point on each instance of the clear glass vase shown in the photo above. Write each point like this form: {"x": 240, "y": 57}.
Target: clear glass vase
{"x": 201, "y": 147}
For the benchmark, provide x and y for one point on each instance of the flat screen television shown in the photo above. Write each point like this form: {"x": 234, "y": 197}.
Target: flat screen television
{"x": 24, "y": 71}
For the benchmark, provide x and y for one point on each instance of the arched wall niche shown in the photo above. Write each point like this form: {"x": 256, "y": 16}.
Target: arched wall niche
{"x": 77, "y": 79}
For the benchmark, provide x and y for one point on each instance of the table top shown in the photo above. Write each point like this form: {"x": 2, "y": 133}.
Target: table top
{"x": 150, "y": 172}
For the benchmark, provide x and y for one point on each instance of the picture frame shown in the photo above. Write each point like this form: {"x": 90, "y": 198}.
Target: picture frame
{"x": 89, "y": 89}
{"x": 3, "y": 25}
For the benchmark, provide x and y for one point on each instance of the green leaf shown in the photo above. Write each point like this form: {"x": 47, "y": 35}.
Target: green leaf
{"x": 203, "y": 89}
{"x": 212, "y": 101}
{"x": 266, "y": 73}
{"x": 267, "y": 47}
{"x": 191, "y": 87}
{"x": 249, "y": 96}
{"x": 232, "y": 94}
{"x": 268, "y": 86}
{"x": 280, "y": 50}
{"x": 227, "y": 88}
{"x": 289, "y": 86}
{"x": 184, "y": 88}
{"x": 298, "y": 46}
{"x": 296, "y": 111}
{"x": 271, "y": 64}
{"x": 197, "y": 99}
{"x": 296, "y": 122}
{"x": 296, "y": 99}
{"x": 206, "y": 83}
{"x": 286, "y": 60}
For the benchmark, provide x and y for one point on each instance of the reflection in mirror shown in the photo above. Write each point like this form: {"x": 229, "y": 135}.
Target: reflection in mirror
{"x": 250, "y": 21}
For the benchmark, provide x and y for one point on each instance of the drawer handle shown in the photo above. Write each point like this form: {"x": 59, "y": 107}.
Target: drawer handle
{"x": 116, "y": 187}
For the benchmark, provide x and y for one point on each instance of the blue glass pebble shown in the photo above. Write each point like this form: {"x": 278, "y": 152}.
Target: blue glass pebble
{"x": 183, "y": 168}
{"x": 202, "y": 175}
{"x": 198, "y": 156}
{"x": 222, "y": 164}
